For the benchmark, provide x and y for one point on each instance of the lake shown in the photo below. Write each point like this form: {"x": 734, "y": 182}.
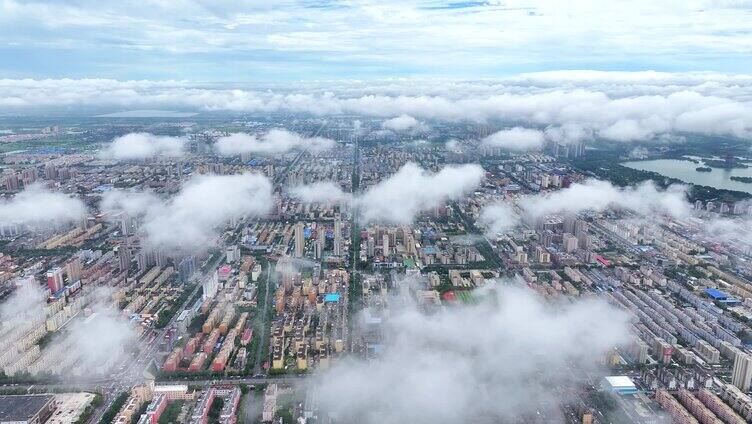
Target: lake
{"x": 685, "y": 170}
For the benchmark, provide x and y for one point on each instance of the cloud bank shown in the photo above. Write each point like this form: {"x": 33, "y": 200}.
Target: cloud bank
{"x": 320, "y": 192}
{"x": 619, "y": 106}
{"x": 143, "y": 145}
{"x": 598, "y": 195}
{"x": 502, "y": 360}
{"x": 411, "y": 190}
{"x": 87, "y": 345}
{"x": 37, "y": 205}
{"x": 189, "y": 221}
{"x": 276, "y": 141}
{"x": 400, "y": 197}
{"x": 402, "y": 123}
{"x": 516, "y": 138}
{"x": 590, "y": 195}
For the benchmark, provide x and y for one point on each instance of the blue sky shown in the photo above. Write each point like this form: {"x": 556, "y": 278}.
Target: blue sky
{"x": 254, "y": 40}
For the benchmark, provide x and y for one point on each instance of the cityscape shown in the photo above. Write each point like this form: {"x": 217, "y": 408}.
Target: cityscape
{"x": 302, "y": 244}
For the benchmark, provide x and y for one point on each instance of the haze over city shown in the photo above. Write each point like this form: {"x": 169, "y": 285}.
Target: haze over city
{"x": 346, "y": 211}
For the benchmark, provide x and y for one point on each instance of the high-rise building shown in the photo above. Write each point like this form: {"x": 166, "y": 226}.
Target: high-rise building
{"x": 145, "y": 259}
{"x": 580, "y": 226}
{"x": 741, "y": 375}
{"x": 126, "y": 225}
{"x": 160, "y": 259}
{"x": 569, "y": 223}
{"x": 320, "y": 243}
{"x": 29, "y": 176}
{"x": 299, "y": 240}
{"x": 385, "y": 245}
{"x": 50, "y": 171}
{"x": 210, "y": 286}
{"x": 73, "y": 269}
{"x": 186, "y": 269}
{"x": 570, "y": 242}
{"x": 55, "y": 279}
{"x": 83, "y": 224}
{"x": 338, "y": 238}
{"x": 124, "y": 257}
{"x": 11, "y": 181}
{"x": 233, "y": 253}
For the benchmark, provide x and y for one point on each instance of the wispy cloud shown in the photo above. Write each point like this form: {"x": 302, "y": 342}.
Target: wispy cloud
{"x": 38, "y": 205}
{"x": 568, "y": 105}
{"x": 143, "y": 146}
{"x": 249, "y": 39}
{"x": 273, "y": 142}
{"x": 189, "y": 221}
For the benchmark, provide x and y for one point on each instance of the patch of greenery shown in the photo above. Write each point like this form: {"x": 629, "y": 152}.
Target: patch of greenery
{"x": 114, "y": 408}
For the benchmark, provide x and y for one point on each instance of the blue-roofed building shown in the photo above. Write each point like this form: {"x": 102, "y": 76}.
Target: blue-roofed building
{"x": 715, "y": 294}
{"x": 430, "y": 250}
{"x": 331, "y": 297}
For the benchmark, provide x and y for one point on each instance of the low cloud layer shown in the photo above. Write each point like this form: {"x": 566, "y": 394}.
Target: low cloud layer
{"x": 144, "y": 145}
{"x": 37, "y": 205}
{"x": 618, "y": 106}
{"x": 320, "y": 192}
{"x": 276, "y": 141}
{"x": 402, "y": 123}
{"x": 590, "y": 195}
{"x": 502, "y": 360}
{"x": 400, "y": 197}
{"x": 411, "y": 190}
{"x": 499, "y": 217}
{"x": 88, "y": 345}
{"x": 516, "y": 138}
{"x": 189, "y": 221}
{"x": 598, "y": 195}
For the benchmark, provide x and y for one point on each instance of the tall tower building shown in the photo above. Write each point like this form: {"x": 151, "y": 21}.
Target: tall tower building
{"x": 320, "y": 243}
{"x": 73, "y": 269}
{"x": 338, "y": 238}
{"x": 299, "y": 240}
{"x": 124, "y": 256}
{"x": 55, "y": 279}
{"x": 741, "y": 376}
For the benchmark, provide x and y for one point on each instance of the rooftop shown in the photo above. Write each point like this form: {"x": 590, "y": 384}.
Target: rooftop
{"x": 22, "y": 407}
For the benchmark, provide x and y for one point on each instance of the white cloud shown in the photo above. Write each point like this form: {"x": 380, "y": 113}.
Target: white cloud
{"x": 143, "y": 146}
{"x": 499, "y": 361}
{"x": 320, "y": 192}
{"x": 101, "y": 339}
{"x": 620, "y": 106}
{"x": 401, "y": 123}
{"x": 133, "y": 203}
{"x": 590, "y": 195}
{"x": 567, "y": 133}
{"x": 89, "y": 345}
{"x": 737, "y": 229}
{"x": 273, "y": 142}
{"x": 498, "y": 217}
{"x": 189, "y": 221}
{"x": 596, "y": 195}
{"x": 400, "y": 197}
{"x": 38, "y": 205}
{"x": 396, "y": 38}
{"x": 411, "y": 190}
{"x": 516, "y": 138}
